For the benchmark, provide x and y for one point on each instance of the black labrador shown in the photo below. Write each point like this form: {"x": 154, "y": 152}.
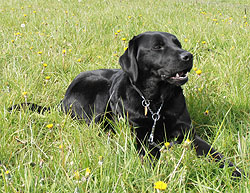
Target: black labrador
{"x": 147, "y": 90}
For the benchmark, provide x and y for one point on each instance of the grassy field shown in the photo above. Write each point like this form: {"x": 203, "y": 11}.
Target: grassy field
{"x": 45, "y": 44}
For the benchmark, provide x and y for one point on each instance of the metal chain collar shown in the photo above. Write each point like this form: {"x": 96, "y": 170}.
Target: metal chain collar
{"x": 155, "y": 116}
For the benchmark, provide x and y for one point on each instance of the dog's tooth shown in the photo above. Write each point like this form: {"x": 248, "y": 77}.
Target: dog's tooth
{"x": 177, "y": 75}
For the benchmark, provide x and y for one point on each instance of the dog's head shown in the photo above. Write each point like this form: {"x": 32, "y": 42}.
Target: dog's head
{"x": 157, "y": 54}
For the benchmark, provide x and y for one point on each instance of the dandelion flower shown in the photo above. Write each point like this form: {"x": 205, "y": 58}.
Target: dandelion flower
{"x": 203, "y": 42}
{"x": 123, "y": 39}
{"x": 167, "y": 144}
{"x": 25, "y": 15}
{"x": 25, "y": 94}
{"x": 195, "y": 69}
{"x": 206, "y": 113}
{"x": 198, "y": 72}
{"x": 12, "y": 41}
{"x": 45, "y": 65}
{"x": 160, "y": 185}
{"x": 63, "y": 52}
{"x": 129, "y": 17}
{"x": 39, "y": 52}
{"x": 31, "y": 48}
{"x": 187, "y": 141}
{"x": 77, "y": 175}
{"x": 185, "y": 40}
{"x": 34, "y": 11}
{"x": 100, "y": 162}
{"x": 244, "y": 17}
{"x": 49, "y": 126}
{"x": 60, "y": 146}
{"x": 47, "y": 77}
{"x": 87, "y": 172}
{"x": 118, "y": 31}
{"x": 70, "y": 50}
{"x": 215, "y": 20}
{"x": 7, "y": 172}
{"x": 125, "y": 48}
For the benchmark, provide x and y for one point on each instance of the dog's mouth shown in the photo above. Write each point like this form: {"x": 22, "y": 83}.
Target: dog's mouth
{"x": 178, "y": 78}
{"x": 180, "y": 75}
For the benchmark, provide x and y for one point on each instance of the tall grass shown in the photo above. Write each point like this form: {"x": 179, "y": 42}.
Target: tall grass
{"x": 75, "y": 36}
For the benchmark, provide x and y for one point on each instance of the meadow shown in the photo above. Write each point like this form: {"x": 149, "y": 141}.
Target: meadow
{"x": 45, "y": 44}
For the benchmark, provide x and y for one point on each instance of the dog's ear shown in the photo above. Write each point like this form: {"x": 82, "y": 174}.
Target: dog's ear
{"x": 128, "y": 60}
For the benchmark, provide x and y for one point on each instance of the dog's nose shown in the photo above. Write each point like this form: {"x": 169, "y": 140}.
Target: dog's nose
{"x": 186, "y": 56}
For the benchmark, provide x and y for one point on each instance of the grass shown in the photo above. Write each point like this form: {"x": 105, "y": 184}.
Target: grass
{"x": 75, "y": 36}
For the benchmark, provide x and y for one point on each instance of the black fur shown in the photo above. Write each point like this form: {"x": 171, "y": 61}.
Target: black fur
{"x": 149, "y": 68}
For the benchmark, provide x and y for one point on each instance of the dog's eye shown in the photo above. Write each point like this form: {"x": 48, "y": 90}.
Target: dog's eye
{"x": 158, "y": 47}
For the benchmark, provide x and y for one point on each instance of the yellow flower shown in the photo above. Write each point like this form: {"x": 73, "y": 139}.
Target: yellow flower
{"x": 187, "y": 142}
{"x": 40, "y": 52}
{"x": 45, "y": 65}
{"x": 25, "y": 94}
{"x": 203, "y": 42}
{"x": 244, "y": 16}
{"x": 79, "y": 60}
{"x": 100, "y": 162}
{"x": 18, "y": 34}
{"x": 31, "y": 48}
{"x": 129, "y": 17}
{"x": 167, "y": 144}
{"x": 123, "y": 39}
{"x": 185, "y": 40}
{"x": 47, "y": 77}
{"x": 63, "y": 52}
{"x": 12, "y": 41}
{"x": 198, "y": 72}
{"x": 70, "y": 50}
{"x": 77, "y": 175}
{"x": 160, "y": 185}
{"x": 195, "y": 69}
{"x": 214, "y": 19}
{"x": 87, "y": 173}
{"x": 7, "y": 172}
{"x": 25, "y": 15}
{"x": 118, "y": 31}
{"x": 34, "y": 11}
{"x": 60, "y": 146}
{"x": 200, "y": 89}
{"x": 49, "y": 126}
{"x": 206, "y": 112}
{"x": 125, "y": 48}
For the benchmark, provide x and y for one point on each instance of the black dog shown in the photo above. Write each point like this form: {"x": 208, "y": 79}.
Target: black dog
{"x": 147, "y": 90}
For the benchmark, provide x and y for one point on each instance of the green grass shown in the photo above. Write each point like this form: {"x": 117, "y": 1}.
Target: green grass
{"x": 42, "y": 159}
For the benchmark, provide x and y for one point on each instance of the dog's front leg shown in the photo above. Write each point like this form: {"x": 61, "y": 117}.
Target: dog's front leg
{"x": 203, "y": 148}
